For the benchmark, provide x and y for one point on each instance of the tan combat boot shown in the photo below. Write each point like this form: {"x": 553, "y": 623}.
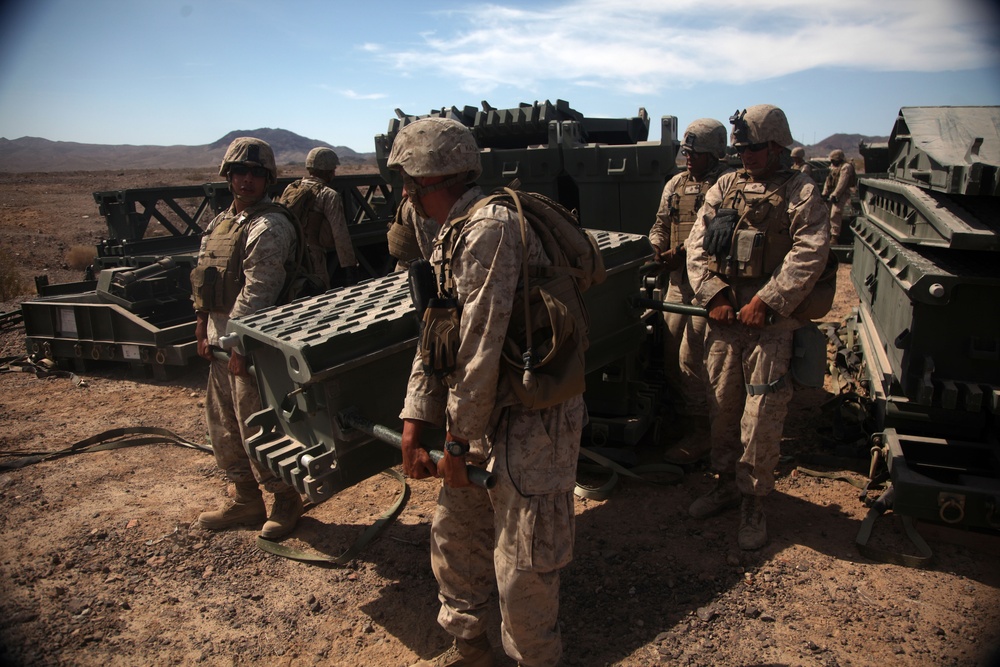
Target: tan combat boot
{"x": 723, "y": 496}
{"x": 284, "y": 515}
{"x": 246, "y": 507}
{"x": 753, "y": 523}
{"x": 463, "y": 653}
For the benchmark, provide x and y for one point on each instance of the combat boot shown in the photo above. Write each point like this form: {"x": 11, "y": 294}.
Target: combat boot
{"x": 284, "y": 515}
{"x": 463, "y": 653}
{"x": 753, "y": 523}
{"x": 723, "y": 496}
{"x": 246, "y": 507}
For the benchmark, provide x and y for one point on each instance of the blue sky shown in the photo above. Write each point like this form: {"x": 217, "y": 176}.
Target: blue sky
{"x": 165, "y": 72}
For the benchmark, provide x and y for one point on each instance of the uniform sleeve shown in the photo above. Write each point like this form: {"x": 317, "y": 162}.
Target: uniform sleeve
{"x": 426, "y": 395}
{"x": 810, "y": 231}
{"x": 333, "y": 212}
{"x": 704, "y": 283}
{"x": 659, "y": 234}
{"x": 270, "y": 243}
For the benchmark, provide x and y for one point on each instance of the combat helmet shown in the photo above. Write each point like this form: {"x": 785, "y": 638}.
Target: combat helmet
{"x": 798, "y": 151}
{"x": 322, "y": 159}
{"x": 760, "y": 124}
{"x": 436, "y": 147}
{"x": 706, "y": 135}
{"x": 837, "y": 155}
{"x": 252, "y": 152}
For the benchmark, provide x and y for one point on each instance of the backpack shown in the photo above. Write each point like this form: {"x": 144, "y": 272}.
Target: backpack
{"x": 298, "y": 197}
{"x": 543, "y": 352}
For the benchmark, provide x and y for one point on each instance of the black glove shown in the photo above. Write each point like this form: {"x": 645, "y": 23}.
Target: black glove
{"x": 719, "y": 232}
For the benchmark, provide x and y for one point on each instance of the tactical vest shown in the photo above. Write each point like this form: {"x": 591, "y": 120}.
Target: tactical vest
{"x": 217, "y": 280}
{"x": 686, "y": 201}
{"x": 762, "y": 236}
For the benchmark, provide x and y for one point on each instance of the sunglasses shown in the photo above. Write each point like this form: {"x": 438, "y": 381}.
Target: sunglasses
{"x": 243, "y": 170}
{"x": 753, "y": 148}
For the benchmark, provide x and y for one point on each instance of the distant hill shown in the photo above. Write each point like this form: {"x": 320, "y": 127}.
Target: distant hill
{"x": 35, "y": 154}
{"x": 845, "y": 142}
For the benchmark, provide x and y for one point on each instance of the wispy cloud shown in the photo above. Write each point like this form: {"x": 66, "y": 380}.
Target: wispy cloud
{"x": 350, "y": 94}
{"x": 649, "y": 46}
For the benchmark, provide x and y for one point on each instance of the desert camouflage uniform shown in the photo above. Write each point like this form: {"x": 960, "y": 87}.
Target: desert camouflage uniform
{"x": 527, "y": 520}
{"x": 746, "y": 429}
{"x": 684, "y": 342}
{"x": 326, "y": 229}
{"x": 837, "y": 189}
{"x": 270, "y": 246}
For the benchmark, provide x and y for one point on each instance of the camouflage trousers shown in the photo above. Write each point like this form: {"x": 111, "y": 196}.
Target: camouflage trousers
{"x": 229, "y": 401}
{"x": 515, "y": 537}
{"x": 836, "y": 219}
{"x": 684, "y": 348}
{"x": 746, "y": 430}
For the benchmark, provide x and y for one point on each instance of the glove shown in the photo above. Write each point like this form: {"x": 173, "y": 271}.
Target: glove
{"x": 719, "y": 232}
{"x": 439, "y": 337}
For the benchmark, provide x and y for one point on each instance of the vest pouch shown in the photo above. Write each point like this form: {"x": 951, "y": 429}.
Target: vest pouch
{"x": 439, "y": 337}
{"x": 205, "y": 287}
{"x": 559, "y": 368}
{"x": 820, "y": 300}
{"x": 748, "y": 254}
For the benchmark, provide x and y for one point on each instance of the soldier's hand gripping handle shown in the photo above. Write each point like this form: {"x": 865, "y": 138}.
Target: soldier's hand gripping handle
{"x": 417, "y": 461}
{"x": 201, "y": 335}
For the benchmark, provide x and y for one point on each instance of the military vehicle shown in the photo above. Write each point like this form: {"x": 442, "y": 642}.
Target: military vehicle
{"x": 926, "y": 269}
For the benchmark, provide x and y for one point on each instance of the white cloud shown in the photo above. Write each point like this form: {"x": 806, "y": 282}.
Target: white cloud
{"x": 350, "y": 94}
{"x": 648, "y": 46}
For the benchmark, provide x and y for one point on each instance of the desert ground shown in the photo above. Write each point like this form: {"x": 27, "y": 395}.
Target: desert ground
{"x": 100, "y": 563}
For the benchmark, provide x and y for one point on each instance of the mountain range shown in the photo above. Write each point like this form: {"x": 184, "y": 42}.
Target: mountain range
{"x": 35, "y": 154}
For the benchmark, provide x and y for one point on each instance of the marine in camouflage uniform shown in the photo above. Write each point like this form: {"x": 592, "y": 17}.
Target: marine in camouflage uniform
{"x": 684, "y": 340}
{"x": 799, "y": 161}
{"x": 516, "y": 537}
{"x": 837, "y": 190}
{"x": 246, "y": 254}
{"x": 752, "y": 308}
{"x": 324, "y": 224}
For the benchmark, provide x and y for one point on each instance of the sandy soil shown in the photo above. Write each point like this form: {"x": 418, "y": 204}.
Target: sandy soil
{"x": 99, "y": 563}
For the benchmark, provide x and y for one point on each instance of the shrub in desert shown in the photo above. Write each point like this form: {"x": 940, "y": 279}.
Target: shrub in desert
{"x": 11, "y": 284}
{"x": 79, "y": 257}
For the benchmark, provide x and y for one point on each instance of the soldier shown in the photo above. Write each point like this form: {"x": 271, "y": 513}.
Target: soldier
{"x": 799, "y": 161}
{"x": 837, "y": 190}
{"x": 757, "y": 248}
{"x": 517, "y": 536}
{"x": 247, "y": 254}
{"x": 684, "y": 339}
{"x": 321, "y": 213}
